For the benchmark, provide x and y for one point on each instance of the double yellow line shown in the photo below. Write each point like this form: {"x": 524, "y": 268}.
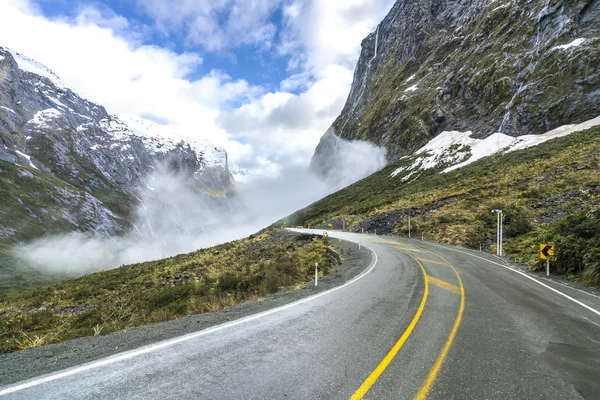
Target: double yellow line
{"x": 429, "y": 381}
{"x": 364, "y": 388}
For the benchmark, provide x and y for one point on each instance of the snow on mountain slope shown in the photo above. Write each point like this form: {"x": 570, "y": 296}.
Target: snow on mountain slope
{"x": 30, "y": 65}
{"x": 165, "y": 137}
{"x": 240, "y": 175}
{"x": 453, "y": 150}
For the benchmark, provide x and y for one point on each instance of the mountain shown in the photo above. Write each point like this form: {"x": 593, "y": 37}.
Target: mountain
{"x": 67, "y": 164}
{"x": 470, "y": 69}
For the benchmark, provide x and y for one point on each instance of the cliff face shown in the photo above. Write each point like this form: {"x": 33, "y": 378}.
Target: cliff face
{"x": 518, "y": 67}
{"x": 67, "y": 164}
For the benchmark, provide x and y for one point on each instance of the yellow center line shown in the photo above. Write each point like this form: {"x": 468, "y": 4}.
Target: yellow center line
{"x": 444, "y": 285}
{"x": 431, "y": 261}
{"x": 428, "y": 384}
{"x": 405, "y": 249}
{"x": 364, "y": 388}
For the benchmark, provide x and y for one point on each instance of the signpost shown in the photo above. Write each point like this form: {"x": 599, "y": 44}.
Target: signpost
{"x": 547, "y": 253}
{"x": 283, "y": 224}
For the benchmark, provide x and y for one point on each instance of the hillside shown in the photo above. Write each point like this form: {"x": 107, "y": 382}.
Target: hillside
{"x": 517, "y": 67}
{"x": 549, "y": 192}
{"x": 140, "y": 294}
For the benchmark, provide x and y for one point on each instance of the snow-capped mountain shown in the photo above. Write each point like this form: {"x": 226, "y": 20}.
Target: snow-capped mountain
{"x": 102, "y": 159}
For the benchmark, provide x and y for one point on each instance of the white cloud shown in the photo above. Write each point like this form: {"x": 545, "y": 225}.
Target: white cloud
{"x": 101, "y": 55}
{"x": 215, "y": 24}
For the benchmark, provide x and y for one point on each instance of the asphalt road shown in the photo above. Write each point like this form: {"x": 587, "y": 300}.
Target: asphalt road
{"x": 422, "y": 321}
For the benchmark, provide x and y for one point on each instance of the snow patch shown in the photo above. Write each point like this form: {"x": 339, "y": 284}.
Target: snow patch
{"x": 442, "y": 148}
{"x": 42, "y": 117}
{"x": 8, "y": 109}
{"x": 411, "y": 89}
{"x": 410, "y": 78}
{"x": 26, "y": 157}
{"x": 485, "y": 147}
{"x": 501, "y": 7}
{"x": 163, "y": 138}
{"x": 575, "y": 43}
{"x": 240, "y": 175}
{"x": 30, "y": 65}
{"x": 458, "y": 149}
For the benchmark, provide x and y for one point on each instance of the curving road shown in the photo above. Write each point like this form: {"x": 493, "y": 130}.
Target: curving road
{"x": 422, "y": 321}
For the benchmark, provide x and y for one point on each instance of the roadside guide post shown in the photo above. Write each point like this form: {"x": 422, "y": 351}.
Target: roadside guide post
{"x": 547, "y": 253}
{"x": 409, "y": 226}
{"x": 316, "y": 274}
{"x": 499, "y": 217}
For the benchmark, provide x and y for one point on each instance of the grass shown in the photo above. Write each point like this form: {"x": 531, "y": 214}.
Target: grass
{"x": 550, "y": 192}
{"x": 139, "y": 294}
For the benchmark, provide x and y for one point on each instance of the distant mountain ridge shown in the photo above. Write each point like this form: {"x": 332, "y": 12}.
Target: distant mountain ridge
{"x": 517, "y": 67}
{"x": 80, "y": 157}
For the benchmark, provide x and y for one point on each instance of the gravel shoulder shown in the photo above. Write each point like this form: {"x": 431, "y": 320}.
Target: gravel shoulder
{"x": 42, "y": 360}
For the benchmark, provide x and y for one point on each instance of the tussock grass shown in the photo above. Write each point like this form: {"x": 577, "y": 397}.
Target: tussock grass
{"x": 203, "y": 281}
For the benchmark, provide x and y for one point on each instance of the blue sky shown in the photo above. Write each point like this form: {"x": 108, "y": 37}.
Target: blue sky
{"x": 263, "y": 78}
{"x": 252, "y": 62}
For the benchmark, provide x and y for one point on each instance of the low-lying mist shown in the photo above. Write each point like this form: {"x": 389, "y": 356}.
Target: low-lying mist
{"x": 173, "y": 217}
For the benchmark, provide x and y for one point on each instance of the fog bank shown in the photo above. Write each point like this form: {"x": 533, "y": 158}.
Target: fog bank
{"x": 173, "y": 217}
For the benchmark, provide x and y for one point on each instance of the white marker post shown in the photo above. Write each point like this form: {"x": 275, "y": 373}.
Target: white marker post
{"x": 316, "y": 274}
{"x": 547, "y": 267}
{"x": 409, "y": 226}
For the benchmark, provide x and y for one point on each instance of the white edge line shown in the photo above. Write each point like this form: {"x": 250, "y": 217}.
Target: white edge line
{"x": 171, "y": 342}
{"x": 526, "y": 276}
{"x": 570, "y": 287}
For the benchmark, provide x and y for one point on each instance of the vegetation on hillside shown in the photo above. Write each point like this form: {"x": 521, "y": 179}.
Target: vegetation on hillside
{"x": 550, "y": 193}
{"x": 139, "y": 294}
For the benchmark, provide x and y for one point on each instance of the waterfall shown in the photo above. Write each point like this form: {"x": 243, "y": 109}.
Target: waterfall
{"x": 376, "y": 44}
{"x": 530, "y": 68}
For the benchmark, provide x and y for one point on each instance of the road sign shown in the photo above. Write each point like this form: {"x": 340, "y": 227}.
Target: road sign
{"x": 547, "y": 251}
{"x": 329, "y": 225}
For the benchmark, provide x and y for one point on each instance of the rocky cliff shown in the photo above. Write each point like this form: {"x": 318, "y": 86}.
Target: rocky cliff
{"x": 67, "y": 164}
{"x": 518, "y": 67}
